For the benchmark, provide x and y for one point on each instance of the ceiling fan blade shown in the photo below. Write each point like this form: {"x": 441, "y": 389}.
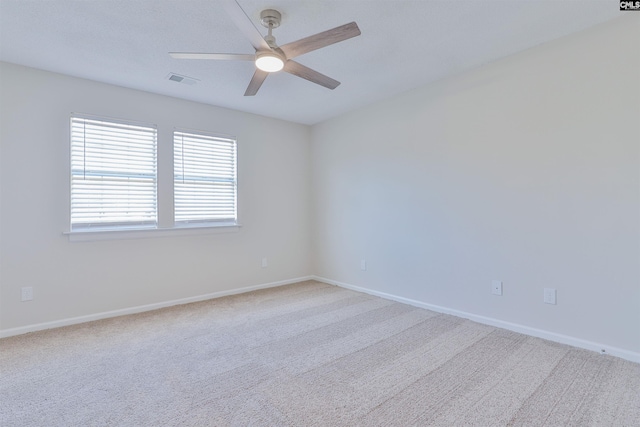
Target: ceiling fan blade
{"x": 245, "y": 25}
{"x": 307, "y": 73}
{"x": 222, "y": 56}
{"x": 319, "y": 40}
{"x": 256, "y": 82}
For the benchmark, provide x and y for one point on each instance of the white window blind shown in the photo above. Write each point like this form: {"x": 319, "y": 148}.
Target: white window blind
{"x": 204, "y": 178}
{"x": 113, "y": 175}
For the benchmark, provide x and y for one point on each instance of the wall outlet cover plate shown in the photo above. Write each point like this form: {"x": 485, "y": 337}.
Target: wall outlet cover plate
{"x": 549, "y": 296}
{"x": 496, "y": 287}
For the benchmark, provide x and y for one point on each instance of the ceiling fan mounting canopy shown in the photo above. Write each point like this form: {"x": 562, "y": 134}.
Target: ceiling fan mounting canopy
{"x": 270, "y": 18}
{"x": 269, "y": 57}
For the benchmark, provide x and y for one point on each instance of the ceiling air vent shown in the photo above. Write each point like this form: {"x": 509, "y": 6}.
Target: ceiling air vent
{"x": 182, "y": 79}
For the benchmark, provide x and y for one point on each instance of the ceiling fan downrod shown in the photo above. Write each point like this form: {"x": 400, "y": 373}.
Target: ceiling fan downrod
{"x": 270, "y": 18}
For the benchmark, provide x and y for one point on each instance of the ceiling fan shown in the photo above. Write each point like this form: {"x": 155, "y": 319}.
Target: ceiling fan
{"x": 269, "y": 57}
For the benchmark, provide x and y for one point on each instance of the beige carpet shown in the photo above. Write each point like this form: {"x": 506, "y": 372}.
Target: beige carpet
{"x": 308, "y": 354}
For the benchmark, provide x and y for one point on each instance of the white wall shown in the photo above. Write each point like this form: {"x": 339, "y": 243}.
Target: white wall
{"x": 84, "y": 278}
{"x": 526, "y": 170}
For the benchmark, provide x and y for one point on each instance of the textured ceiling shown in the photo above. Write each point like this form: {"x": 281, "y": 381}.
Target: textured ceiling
{"x": 404, "y": 44}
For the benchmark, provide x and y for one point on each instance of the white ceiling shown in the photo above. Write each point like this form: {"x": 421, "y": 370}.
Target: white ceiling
{"x": 404, "y": 44}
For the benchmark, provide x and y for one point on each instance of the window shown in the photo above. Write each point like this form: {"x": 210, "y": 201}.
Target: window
{"x": 113, "y": 175}
{"x": 204, "y": 178}
{"x": 114, "y": 181}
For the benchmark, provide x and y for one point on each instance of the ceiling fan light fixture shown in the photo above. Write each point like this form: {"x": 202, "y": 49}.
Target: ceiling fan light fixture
{"x": 269, "y": 62}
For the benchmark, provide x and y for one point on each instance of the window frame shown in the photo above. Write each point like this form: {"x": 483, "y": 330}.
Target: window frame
{"x": 148, "y": 130}
{"x": 207, "y": 222}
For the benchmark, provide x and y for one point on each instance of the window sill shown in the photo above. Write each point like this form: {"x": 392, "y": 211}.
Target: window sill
{"x": 144, "y": 233}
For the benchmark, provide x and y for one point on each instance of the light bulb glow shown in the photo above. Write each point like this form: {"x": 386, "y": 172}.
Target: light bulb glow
{"x": 269, "y": 63}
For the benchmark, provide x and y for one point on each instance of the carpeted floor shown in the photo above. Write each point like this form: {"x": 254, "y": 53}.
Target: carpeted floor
{"x": 308, "y": 354}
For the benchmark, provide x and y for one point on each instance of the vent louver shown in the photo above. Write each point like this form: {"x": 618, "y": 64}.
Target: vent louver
{"x": 182, "y": 79}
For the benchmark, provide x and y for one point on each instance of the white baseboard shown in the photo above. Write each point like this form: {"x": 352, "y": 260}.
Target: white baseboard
{"x": 539, "y": 333}
{"x": 141, "y": 308}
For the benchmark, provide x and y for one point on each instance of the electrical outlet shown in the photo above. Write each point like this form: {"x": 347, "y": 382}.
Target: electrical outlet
{"x": 265, "y": 263}
{"x": 496, "y": 287}
{"x": 363, "y": 264}
{"x": 549, "y": 296}
{"x": 26, "y": 293}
